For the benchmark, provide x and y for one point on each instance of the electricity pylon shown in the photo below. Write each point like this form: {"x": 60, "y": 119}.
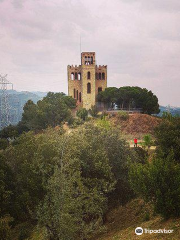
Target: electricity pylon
{"x": 4, "y": 108}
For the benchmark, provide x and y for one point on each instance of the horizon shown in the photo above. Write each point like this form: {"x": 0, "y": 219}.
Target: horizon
{"x": 39, "y": 39}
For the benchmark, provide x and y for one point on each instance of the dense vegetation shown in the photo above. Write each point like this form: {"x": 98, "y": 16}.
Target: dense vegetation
{"x": 51, "y": 111}
{"x": 65, "y": 182}
{"x": 130, "y": 97}
{"x": 159, "y": 181}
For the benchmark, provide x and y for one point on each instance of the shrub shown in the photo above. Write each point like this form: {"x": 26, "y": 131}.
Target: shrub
{"x": 123, "y": 115}
{"x": 142, "y": 155}
{"x": 3, "y": 144}
{"x": 5, "y": 229}
{"x": 82, "y": 113}
{"x": 76, "y": 122}
{"x": 93, "y": 111}
{"x": 147, "y": 141}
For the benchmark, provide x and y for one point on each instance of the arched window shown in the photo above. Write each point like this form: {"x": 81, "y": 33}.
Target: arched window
{"x": 76, "y": 76}
{"x": 88, "y": 88}
{"x": 79, "y": 76}
{"x": 80, "y": 97}
{"x": 77, "y": 94}
{"x": 99, "y": 89}
{"x": 99, "y": 76}
{"x": 72, "y": 76}
{"x": 88, "y": 75}
{"x": 103, "y": 76}
{"x": 74, "y": 93}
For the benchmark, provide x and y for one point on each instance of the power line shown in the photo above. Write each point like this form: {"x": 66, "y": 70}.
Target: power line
{"x": 5, "y": 107}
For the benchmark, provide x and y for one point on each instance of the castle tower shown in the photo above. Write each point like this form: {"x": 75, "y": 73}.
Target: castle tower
{"x": 86, "y": 80}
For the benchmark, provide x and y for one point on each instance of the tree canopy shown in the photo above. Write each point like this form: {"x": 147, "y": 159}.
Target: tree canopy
{"x": 130, "y": 97}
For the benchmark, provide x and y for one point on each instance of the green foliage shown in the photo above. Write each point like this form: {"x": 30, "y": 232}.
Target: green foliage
{"x": 158, "y": 182}
{"x": 76, "y": 122}
{"x": 141, "y": 154}
{"x": 82, "y": 113}
{"x": 168, "y": 138}
{"x": 76, "y": 196}
{"x": 6, "y": 188}
{"x": 109, "y": 96}
{"x": 67, "y": 181}
{"x": 52, "y": 110}
{"x": 3, "y": 144}
{"x": 123, "y": 115}
{"x": 168, "y": 116}
{"x": 104, "y": 123}
{"x": 147, "y": 141}
{"x": 25, "y": 231}
{"x": 9, "y": 132}
{"x": 131, "y": 97}
{"x": 93, "y": 111}
{"x": 5, "y": 229}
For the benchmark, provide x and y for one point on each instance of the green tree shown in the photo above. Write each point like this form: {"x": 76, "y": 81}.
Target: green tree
{"x": 6, "y": 188}
{"x": 52, "y": 110}
{"x": 108, "y": 96}
{"x": 168, "y": 138}
{"x": 131, "y": 97}
{"x": 9, "y": 132}
{"x": 158, "y": 182}
{"x": 147, "y": 141}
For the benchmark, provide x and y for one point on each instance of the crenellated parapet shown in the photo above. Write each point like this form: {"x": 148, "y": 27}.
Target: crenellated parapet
{"x": 74, "y": 67}
{"x": 101, "y": 67}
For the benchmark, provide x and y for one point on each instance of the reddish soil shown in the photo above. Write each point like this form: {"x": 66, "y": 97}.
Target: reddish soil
{"x": 137, "y": 124}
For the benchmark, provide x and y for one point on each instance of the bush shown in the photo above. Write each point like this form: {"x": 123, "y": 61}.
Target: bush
{"x": 5, "y": 229}
{"x": 158, "y": 182}
{"x": 93, "y": 111}
{"x": 142, "y": 155}
{"x": 3, "y": 144}
{"x": 76, "y": 122}
{"x": 82, "y": 113}
{"x": 123, "y": 115}
{"x": 147, "y": 141}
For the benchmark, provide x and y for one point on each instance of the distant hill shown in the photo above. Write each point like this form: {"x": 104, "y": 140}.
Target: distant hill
{"x": 171, "y": 109}
{"x": 17, "y": 101}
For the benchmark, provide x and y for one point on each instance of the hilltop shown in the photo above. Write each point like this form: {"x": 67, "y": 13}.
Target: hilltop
{"x": 136, "y": 125}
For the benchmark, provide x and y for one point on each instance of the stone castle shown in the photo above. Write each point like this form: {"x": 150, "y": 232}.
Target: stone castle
{"x": 86, "y": 80}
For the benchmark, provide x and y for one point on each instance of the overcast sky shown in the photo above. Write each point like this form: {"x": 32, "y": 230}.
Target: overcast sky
{"x": 139, "y": 40}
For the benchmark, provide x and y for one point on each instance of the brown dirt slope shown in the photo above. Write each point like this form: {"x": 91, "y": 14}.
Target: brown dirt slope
{"x": 122, "y": 222}
{"x": 137, "y": 124}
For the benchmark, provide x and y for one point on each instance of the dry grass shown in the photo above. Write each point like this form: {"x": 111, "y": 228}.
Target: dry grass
{"x": 122, "y": 222}
{"x": 137, "y": 125}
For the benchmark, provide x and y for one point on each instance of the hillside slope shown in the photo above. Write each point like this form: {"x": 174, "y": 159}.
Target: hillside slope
{"x": 122, "y": 222}
{"x": 137, "y": 124}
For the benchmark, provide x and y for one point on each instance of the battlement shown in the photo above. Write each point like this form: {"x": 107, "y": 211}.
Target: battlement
{"x": 101, "y": 66}
{"x": 74, "y": 67}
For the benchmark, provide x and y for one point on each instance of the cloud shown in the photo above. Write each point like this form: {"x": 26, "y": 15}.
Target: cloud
{"x": 139, "y": 40}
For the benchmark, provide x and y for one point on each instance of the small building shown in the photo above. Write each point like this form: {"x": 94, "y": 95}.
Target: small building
{"x": 86, "y": 80}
